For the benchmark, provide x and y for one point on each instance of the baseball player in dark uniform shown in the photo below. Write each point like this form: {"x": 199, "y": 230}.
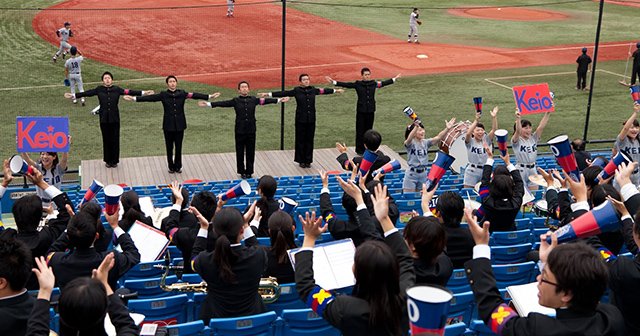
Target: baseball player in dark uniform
{"x": 583, "y": 66}
{"x": 305, "y": 95}
{"x": 635, "y": 70}
{"x": 366, "y": 106}
{"x": 108, "y": 96}
{"x": 245, "y": 128}
{"x": 174, "y": 121}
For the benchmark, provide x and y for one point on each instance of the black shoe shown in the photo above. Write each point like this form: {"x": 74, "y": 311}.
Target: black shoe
{"x": 302, "y": 165}
{"x": 115, "y": 165}
{"x": 243, "y": 176}
{"x": 108, "y": 165}
{"x": 179, "y": 171}
{"x": 248, "y": 176}
{"x": 170, "y": 171}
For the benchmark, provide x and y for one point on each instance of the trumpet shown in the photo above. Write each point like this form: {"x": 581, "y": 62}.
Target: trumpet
{"x": 269, "y": 289}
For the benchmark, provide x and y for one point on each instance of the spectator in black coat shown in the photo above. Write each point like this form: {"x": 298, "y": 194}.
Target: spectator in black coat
{"x": 427, "y": 239}
{"x": 15, "y": 301}
{"x": 580, "y": 153}
{"x": 450, "y": 207}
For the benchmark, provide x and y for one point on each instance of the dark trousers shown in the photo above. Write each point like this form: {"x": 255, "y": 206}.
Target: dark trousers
{"x": 364, "y": 122}
{"x": 305, "y": 133}
{"x": 110, "y": 142}
{"x": 635, "y": 72}
{"x": 582, "y": 80}
{"x": 245, "y": 144}
{"x": 172, "y": 138}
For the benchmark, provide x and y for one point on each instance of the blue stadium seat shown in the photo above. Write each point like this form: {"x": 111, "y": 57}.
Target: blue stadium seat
{"x": 166, "y": 310}
{"x": 513, "y": 274}
{"x": 457, "y": 329}
{"x": 458, "y": 282}
{"x": 194, "y": 304}
{"x": 174, "y": 251}
{"x": 324, "y": 238}
{"x": 150, "y": 288}
{"x": 255, "y": 325}
{"x": 535, "y": 234}
{"x": 480, "y": 329}
{"x": 538, "y": 222}
{"x": 523, "y": 223}
{"x": 288, "y": 299}
{"x": 54, "y": 320}
{"x": 405, "y": 205}
{"x": 195, "y": 328}
{"x": 305, "y": 322}
{"x": 510, "y": 237}
{"x": 509, "y": 254}
{"x": 143, "y": 271}
{"x": 461, "y": 308}
{"x": 264, "y": 241}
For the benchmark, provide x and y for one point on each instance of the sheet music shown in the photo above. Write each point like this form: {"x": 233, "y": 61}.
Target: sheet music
{"x": 146, "y": 205}
{"x": 149, "y": 241}
{"x": 332, "y": 264}
{"x": 525, "y": 300}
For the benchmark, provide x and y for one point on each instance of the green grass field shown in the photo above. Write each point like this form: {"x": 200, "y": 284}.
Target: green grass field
{"x": 25, "y": 61}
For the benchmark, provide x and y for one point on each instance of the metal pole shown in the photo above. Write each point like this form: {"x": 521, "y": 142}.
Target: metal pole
{"x": 593, "y": 70}
{"x": 282, "y": 74}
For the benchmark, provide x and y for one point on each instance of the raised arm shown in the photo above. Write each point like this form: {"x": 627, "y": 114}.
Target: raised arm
{"x": 202, "y": 96}
{"x": 148, "y": 98}
{"x": 381, "y": 84}
{"x": 265, "y": 101}
{"x": 278, "y": 94}
{"x": 629, "y": 122}
{"x": 543, "y": 124}
{"x": 222, "y": 103}
{"x": 64, "y": 157}
{"x": 516, "y": 134}
{"x": 88, "y": 93}
{"x": 413, "y": 132}
{"x": 348, "y": 85}
{"x": 25, "y": 156}
{"x": 472, "y": 128}
{"x": 448, "y": 125}
{"x": 494, "y": 122}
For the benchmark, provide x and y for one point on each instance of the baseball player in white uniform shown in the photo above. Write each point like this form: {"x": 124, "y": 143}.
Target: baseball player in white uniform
{"x": 230, "y": 6}
{"x": 475, "y": 139}
{"x": 414, "y": 21}
{"x": 525, "y": 146}
{"x": 72, "y": 72}
{"x": 63, "y": 34}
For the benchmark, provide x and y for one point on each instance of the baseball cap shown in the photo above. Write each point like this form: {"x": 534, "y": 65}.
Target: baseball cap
{"x": 584, "y": 50}
{"x": 73, "y": 50}
{"x": 67, "y": 23}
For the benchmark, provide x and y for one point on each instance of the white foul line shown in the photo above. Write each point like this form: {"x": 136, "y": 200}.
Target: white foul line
{"x": 498, "y": 84}
{"x": 194, "y": 75}
{"x": 491, "y": 80}
{"x": 561, "y": 49}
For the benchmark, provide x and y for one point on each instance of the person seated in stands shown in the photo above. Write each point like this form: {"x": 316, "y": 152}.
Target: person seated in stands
{"x": 102, "y": 243}
{"x": 450, "y": 208}
{"x": 356, "y": 208}
{"x": 184, "y": 237}
{"x": 15, "y": 301}
{"x": 179, "y": 216}
{"x": 267, "y": 186}
{"x": 84, "y": 257}
{"x": 132, "y": 212}
{"x": 281, "y": 235}
{"x": 502, "y": 195}
{"x": 372, "y": 140}
{"x": 369, "y": 189}
{"x": 427, "y": 239}
{"x": 573, "y": 279}
{"x": 611, "y": 240}
{"x": 83, "y": 304}
{"x": 27, "y": 212}
{"x": 232, "y": 271}
{"x": 383, "y": 272}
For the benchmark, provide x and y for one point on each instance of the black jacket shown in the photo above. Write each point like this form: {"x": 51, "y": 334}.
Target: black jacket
{"x": 459, "y": 245}
{"x": 382, "y": 159}
{"x": 245, "y": 107}
{"x": 14, "y": 314}
{"x": 605, "y": 320}
{"x": 437, "y": 273}
{"x": 583, "y": 62}
{"x": 108, "y": 98}
{"x": 173, "y": 102}
{"x": 502, "y": 212}
{"x": 305, "y": 101}
{"x": 366, "y": 91}
{"x": 360, "y": 229}
{"x": 347, "y": 313}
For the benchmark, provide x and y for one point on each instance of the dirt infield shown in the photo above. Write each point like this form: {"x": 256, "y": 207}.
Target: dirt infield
{"x": 209, "y": 48}
{"x": 623, "y": 3}
{"x": 509, "y": 14}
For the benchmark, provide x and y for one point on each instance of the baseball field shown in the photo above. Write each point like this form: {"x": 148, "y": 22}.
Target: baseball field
{"x": 468, "y": 48}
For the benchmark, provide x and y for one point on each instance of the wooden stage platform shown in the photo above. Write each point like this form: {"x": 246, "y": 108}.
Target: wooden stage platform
{"x": 152, "y": 170}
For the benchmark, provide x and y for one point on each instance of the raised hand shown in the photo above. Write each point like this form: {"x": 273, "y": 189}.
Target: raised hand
{"x": 127, "y": 98}
{"x": 351, "y": 189}
{"x": 624, "y": 172}
{"x": 578, "y": 189}
{"x": 427, "y": 196}
{"x": 342, "y": 148}
{"x": 338, "y": 90}
{"x": 214, "y": 95}
{"x": 546, "y": 248}
{"x": 45, "y": 276}
{"x": 449, "y": 124}
{"x": 202, "y": 103}
{"x": 329, "y": 79}
{"x": 285, "y": 99}
{"x": 204, "y": 222}
{"x": 620, "y": 208}
{"x": 494, "y": 112}
{"x": 380, "y": 202}
{"x": 312, "y": 227}
{"x": 8, "y": 174}
{"x": 325, "y": 179}
{"x": 547, "y": 177}
{"x": 176, "y": 190}
{"x": 68, "y": 95}
{"x": 480, "y": 234}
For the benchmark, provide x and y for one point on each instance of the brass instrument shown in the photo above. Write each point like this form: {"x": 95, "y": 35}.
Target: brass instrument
{"x": 268, "y": 289}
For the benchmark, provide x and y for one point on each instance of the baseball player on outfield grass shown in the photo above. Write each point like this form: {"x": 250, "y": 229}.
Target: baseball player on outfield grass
{"x": 63, "y": 34}
{"x": 73, "y": 73}
{"x": 413, "y": 25}
{"x": 230, "y": 6}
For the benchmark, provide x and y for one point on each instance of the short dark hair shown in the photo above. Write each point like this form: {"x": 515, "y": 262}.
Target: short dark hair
{"x": 302, "y": 75}
{"x": 243, "y": 82}
{"x": 501, "y": 186}
{"x": 415, "y": 9}
{"x": 15, "y": 262}
{"x": 481, "y": 125}
{"x": 27, "y": 212}
{"x": 579, "y": 270}
{"x": 372, "y": 139}
{"x": 267, "y": 186}
{"x": 363, "y": 70}
{"x": 590, "y": 174}
{"x": 427, "y": 236}
{"x": 106, "y": 73}
{"x": 55, "y": 161}
{"x": 523, "y": 123}
{"x": 82, "y": 305}
{"x": 410, "y": 128}
{"x": 450, "y": 206}
{"x": 82, "y": 230}
{"x": 169, "y": 77}
{"x": 600, "y": 192}
{"x": 578, "y": 144}
{"x": 206, "y": 203}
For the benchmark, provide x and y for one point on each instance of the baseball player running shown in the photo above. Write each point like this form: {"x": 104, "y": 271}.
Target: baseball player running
{"x": 73, "y": 73}
{"x": 414, "y": 21}
{"x": 64, "y": 34}
{"x": 230, "y": 6}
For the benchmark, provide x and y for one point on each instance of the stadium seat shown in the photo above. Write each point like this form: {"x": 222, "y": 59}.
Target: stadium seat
{"x": 461, "y": 308}
{"x": 255, "y": 325}
{"x": 163, "y": 311}
{"x": 480, "y": 329}
{"x": 143, "y": 271}
{"x": 149, "y": 288}
{"x": 174, "y": 252}
{"x": 523, "y": 223}
{"x": 510, "y": 237}
{"x": 539, "y": 222}
{"x": 305, "y": 322}
{"x": 513, "y": 274}
{"x": 195, "y": 328}
{"x": 264, "y": 241}
{"x": 288, "y": 299}
{"x": 458, "y": 282}
{"x": 457, "y": 329}
{"x": 509, "y": 254}
{"x": 54, "y": 320}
